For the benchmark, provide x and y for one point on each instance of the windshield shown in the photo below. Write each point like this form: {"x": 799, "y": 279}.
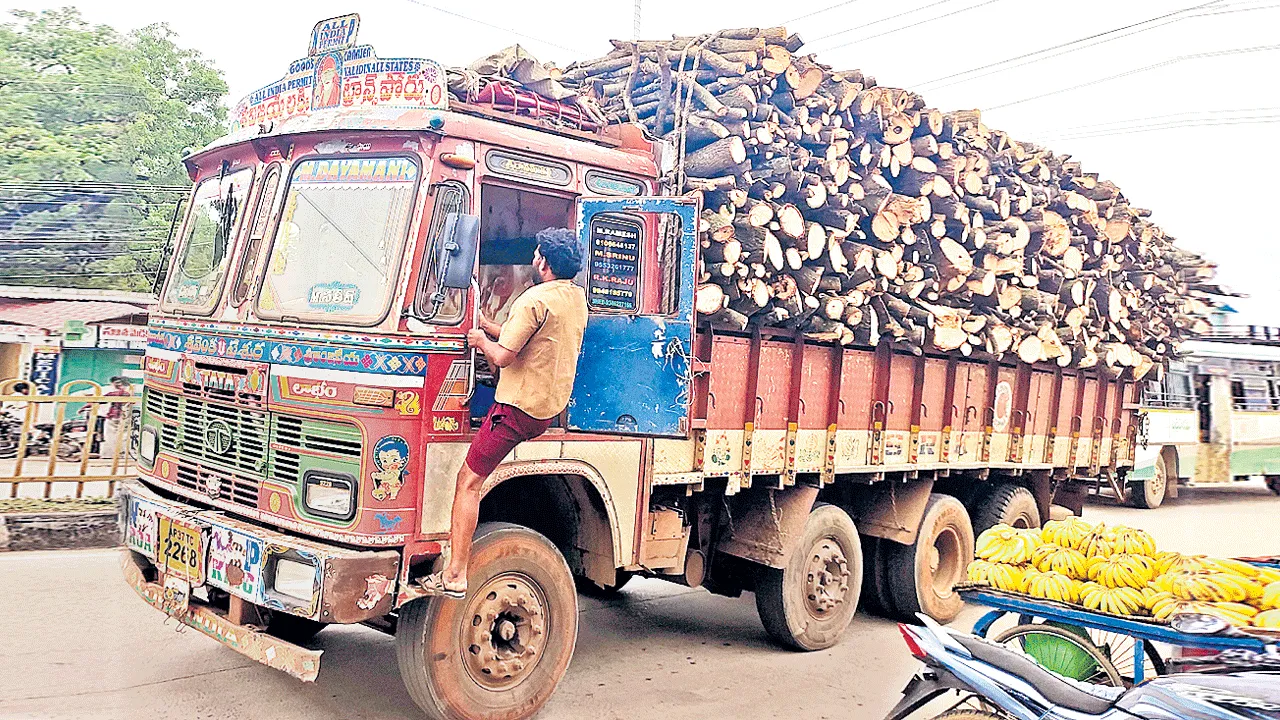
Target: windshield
{"x": 216, "y": 209}
{"x": 337, "y": 247}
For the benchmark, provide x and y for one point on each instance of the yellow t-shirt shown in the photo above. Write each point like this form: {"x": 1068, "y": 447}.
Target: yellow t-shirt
{"x": 544, "y": 330}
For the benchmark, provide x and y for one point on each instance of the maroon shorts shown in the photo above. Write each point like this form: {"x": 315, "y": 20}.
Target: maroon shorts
{"x": 503, "y": 429}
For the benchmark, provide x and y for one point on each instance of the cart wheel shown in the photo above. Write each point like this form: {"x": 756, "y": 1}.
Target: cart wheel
{"x": 1118, "y": 648}
{"x": 1067, "y": 653}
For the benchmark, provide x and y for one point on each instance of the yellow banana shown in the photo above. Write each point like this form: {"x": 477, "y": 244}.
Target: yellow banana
{"x": 1270, "y": 599}
{"x": 1235, "y": 567}
{"x": 1267, "y": 619}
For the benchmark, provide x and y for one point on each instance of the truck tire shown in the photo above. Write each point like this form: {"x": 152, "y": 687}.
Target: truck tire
{"x": 1150, "y": 493}
{"x": 923, "y": 574}
{"x": 499, "y": 653}
{"x": 808, "y": 604}
{"x": 875, "y": 597}
{"x": 1006, "y": 503}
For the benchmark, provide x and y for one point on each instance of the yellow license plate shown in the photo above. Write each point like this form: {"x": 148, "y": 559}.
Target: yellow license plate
{"x": 180, "y": 550}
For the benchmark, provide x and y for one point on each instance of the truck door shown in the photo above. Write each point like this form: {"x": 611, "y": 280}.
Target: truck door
{"x": 634, "y": 373}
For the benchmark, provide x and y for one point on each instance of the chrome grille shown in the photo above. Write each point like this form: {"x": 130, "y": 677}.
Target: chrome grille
{"x": 219, "y": 486}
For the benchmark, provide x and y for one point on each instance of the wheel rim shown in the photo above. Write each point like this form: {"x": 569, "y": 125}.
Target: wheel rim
{"x": 826, "y": 578}
{"x": 944, "y": 561}
{"x": 504, "y": 631}
{"x": 1158, "y": 480}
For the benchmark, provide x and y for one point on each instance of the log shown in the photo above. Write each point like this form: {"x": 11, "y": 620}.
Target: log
{"x": 717, "y": 158}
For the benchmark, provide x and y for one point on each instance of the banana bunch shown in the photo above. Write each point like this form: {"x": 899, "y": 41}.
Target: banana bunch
{"x": 1068, "y": 533}
{"x": 1121, "y": 570}
{"x": 1010, "y": 578}
{"x": 1234, "y": 613}
{"x": 1117, "y": 601}
{"x": 1152, "y": 597}
{"x": 1270, "y": 599}
{"x": 1004, "y": 544}
{"x": 1100, "y": 542}
{"x": 980, "y": 572}
{"x": 1053, "y": 586}
{"x": 1055, "y": 558}
{"x": 1215, "y": 587}
{"x": 1133, "y": 541}
{"x": 1267, "y": 619}
{"x": 1173, "y": 562}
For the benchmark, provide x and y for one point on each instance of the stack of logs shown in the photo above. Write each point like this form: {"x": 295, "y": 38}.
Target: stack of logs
{"x": 853, "y": 211}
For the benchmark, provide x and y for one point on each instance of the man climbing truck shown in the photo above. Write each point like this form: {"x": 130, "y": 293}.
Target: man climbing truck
{"x": 310, "y": 395}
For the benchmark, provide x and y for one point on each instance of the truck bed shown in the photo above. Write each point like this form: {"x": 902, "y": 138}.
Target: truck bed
{"x": 773, "y": 404}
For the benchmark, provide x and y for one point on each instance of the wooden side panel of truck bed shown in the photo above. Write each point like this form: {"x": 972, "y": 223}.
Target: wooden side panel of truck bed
{"x": 779, "y": 406}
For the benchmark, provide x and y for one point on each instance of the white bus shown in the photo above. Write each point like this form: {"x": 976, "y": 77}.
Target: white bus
{"x": 1214, "y": 418}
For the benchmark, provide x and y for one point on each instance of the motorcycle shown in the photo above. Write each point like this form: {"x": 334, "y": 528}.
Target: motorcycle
{"x": 1008, "y": 685}
{"x": 71, "y": 442}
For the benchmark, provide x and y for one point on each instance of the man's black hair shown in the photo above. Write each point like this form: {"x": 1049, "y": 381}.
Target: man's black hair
{"x": 120, "y": 378}
{"x": 560, "y": 248}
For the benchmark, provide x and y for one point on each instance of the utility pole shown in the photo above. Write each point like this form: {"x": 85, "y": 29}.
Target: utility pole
{"x": 635, "y": 23}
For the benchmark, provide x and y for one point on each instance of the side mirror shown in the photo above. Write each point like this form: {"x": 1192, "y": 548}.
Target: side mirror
{"x": 458, "y": 251}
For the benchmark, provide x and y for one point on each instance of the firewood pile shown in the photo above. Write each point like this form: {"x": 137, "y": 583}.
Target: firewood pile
{"x": 853, "y": 211}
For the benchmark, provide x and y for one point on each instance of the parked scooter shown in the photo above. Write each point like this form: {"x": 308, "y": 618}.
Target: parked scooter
{"x": 1009, "y": 685}
{"x": 75, "y": 432}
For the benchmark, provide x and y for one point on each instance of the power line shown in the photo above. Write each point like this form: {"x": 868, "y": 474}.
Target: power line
{"x": 881, "y": 20}
{"x": 517, "y": 33}
{"x": 1068, "y": 51}
{"x": 818, "y": 12}
{"x": 1135, "y": 71}
{"x": 1067, "y": 44}
{"x": 915, "y": 24}
{"x": 1180, "y": 125}
{"x": 1152, "y": 118}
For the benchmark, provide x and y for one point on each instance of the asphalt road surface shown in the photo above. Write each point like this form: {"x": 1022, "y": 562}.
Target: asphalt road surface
{"x": 76, "y": 643}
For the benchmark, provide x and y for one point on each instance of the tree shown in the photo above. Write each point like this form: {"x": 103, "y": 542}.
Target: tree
{"x": 93, "y": 127}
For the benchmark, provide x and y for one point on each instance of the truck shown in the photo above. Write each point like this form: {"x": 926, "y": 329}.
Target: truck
{"x": 309, "y": 397}
{"x": 1213, "y": 419}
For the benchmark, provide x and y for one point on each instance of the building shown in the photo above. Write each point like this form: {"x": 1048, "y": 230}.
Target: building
{"x": 53, "y": 336}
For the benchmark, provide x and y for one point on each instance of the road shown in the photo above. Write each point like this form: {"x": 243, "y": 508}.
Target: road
{"x": 78, "y": 644}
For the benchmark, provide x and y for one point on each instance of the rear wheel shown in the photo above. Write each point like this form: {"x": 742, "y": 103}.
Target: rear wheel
{"x": 499, "y": 653}
{"x": 923, "y": 575}
{"x": 875, "y": 596}
{"x": 1149, "y": 493}
{"x": 1006, "y": 503}
{"x": 1066, "y": 652}
{"x": 808, "y": 604}
{"x": 968, "y": 715}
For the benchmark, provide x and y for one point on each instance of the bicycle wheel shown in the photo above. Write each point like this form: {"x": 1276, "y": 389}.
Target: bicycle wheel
{"x": 1118, "y": 648}
{"x": 1064, "y": 652}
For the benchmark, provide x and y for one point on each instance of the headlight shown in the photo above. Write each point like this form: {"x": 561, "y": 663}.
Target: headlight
{"x": 295, "y": 579}
{"x": 329, "y": 495}
{"x": 148, "y": 441}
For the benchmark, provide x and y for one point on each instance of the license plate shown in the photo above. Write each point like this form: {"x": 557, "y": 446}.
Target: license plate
{"x": 180, "y": 550}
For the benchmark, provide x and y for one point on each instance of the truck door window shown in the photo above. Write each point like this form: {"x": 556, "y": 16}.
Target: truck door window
{"x": 337, "y": 249}
{"x": 669, "y": 231}
{"x": 450, "y": 197}
{"x": 510, "y": 220}
{"x": 261, "y": 216}
{"x": 212, "y": 223}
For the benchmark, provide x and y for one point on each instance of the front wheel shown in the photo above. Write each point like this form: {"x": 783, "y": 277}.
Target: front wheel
{"x": 808, "y": 604}
{"x": 499, "y": 653}
{"x": 1150, "y": 493}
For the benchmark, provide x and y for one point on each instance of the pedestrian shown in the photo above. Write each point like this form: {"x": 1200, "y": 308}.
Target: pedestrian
{"x": 115, "y": 435}
{"x": 537, "y": 350}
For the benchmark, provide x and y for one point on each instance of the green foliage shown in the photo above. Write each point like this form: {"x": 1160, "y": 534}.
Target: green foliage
{"x": 102, "y": 113}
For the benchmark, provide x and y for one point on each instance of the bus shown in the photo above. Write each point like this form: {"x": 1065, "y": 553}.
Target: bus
{"x": 1214, "y": 418}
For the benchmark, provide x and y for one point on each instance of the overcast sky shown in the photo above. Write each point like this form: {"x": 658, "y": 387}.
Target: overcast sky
{"x": 1206, "y": 76}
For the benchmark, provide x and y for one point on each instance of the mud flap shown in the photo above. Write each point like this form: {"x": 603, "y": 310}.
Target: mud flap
{"x": 921, "y": 691}
{"x": 763, "y": 526}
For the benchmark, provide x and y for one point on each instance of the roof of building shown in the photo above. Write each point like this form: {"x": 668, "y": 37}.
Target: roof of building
{"x": 36, "y": 292}
{"x": 53, "y": 314}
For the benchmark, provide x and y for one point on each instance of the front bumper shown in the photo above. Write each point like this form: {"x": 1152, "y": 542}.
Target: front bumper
{"x": 240, "y": 558}
{"x": 254, "y": 644}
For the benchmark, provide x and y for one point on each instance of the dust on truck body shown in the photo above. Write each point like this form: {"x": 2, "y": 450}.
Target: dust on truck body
{"x": 309, "y": 399}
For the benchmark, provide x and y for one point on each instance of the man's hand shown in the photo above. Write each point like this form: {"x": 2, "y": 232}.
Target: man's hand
{"x": 477, "y": 338}
{"x": 492, "y": 329}
{"x": 497, "y": 355}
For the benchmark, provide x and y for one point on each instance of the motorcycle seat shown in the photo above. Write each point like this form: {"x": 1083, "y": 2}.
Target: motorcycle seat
{"x": 1052, "y": 686}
